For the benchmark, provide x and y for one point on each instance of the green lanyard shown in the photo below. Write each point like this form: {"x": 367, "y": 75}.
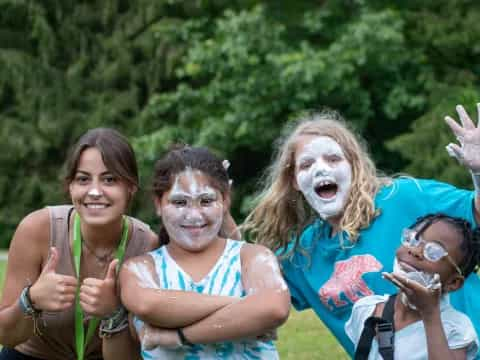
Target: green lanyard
{"x": 80, "y": 340}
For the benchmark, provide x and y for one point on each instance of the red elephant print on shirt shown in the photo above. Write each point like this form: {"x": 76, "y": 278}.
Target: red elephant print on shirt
{"x": 347, "y": 280}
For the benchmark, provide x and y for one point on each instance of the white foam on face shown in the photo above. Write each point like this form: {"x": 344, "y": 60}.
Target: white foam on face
{"x": 143, "y": 274}
{"x": 194, "y": 213}
{"x": 269, "y": 274}
{"x": 94, "y": 192}
{"x": 323, "y": 161}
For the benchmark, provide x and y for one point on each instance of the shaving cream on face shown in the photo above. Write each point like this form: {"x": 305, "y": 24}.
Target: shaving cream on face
{"x": 320, "y": 162}
{"x": 427, "y": 280}
{"x": 94, "y": 192}
{"x": 192, "y": 211}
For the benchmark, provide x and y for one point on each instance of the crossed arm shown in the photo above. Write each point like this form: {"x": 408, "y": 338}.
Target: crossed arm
{"x": 208, "y": 318}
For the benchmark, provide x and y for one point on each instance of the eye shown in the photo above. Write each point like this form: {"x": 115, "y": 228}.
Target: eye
{"x": 305, "y": 164}
{"x": 81, "y": 179}
{"x": 207, "y": 201}
{"x": 109, "y": 179}
{"x": 178, "y": 202}
{"x": 333, "y": 159}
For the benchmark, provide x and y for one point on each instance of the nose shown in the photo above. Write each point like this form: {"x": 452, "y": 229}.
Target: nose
{"x": 94, "y": 192}
{"x": 416, "y": 252}
{"x": 321, "y": 169}
{"x": 194, "y": 214}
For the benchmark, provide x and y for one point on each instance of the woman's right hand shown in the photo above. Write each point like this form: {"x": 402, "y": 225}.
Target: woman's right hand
{"x": 52, "y": 291}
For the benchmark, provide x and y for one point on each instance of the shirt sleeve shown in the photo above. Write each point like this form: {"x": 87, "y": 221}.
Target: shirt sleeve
{"x": 361, "y": 310}
{"x": 461, "y": 334}
{"x": 295, "y": 282}
{"x": 444, "y": 198}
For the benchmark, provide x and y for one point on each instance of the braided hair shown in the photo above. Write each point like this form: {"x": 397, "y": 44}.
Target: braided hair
{"x": 470, "y": 245}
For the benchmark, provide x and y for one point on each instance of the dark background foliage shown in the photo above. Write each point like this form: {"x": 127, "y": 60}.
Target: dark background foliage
{"x": 228, "y": 75}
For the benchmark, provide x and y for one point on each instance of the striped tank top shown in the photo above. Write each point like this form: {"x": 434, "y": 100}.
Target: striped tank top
{"x": 225, "y": 278}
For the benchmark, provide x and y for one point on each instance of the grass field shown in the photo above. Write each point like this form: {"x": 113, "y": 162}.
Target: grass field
{"x": 303, "y": 337}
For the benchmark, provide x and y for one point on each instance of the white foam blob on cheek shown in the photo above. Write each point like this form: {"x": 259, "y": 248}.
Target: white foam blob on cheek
{"x": 143, "y": 274}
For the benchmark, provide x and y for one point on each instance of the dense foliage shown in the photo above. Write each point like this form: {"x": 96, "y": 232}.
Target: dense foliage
{"x": 229, "y": 75}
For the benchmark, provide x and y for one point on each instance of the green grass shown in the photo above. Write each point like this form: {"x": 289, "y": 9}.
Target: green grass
{"x": 303, "y": 337}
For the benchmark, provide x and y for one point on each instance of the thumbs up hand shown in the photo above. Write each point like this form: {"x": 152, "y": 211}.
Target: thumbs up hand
{"x": 52, "y": 291}
{"x": 98, "y": 297}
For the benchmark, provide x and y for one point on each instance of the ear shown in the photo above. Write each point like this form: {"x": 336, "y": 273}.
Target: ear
{"x": 227, "y": 201}
{"x": 158, "y": 207}
{"x": 454, "y": 283}
{"x": 132, "y": 190}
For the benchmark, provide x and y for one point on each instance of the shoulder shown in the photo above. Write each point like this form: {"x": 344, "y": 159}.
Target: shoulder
{"x": 32, "y": 237}
{"x": 362, "y": 309}
{"x": 148, "y": 236}
{"x": 138, "y": 264}
{"x": 36, "y": 225}
{"x": 454, "y": 320}
{"x": 459, "y": 331}
{"x": 250, "y": 251}
{"x": 370, "y": 301}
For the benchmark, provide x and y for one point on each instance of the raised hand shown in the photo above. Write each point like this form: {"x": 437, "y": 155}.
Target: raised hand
{"x": 426, "y": 300}
{"x": 52, "y": 291}
{"x": 468, "y": 135}
{"x": 99, "y": 297}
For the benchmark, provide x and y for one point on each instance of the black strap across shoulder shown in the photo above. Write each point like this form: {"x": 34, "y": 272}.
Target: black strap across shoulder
{"x": 384, "y": 328}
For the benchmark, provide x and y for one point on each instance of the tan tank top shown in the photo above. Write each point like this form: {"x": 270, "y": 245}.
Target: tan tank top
{"x": 57, "y": 341}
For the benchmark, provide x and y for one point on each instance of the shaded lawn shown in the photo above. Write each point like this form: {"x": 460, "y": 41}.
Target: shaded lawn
{"x": 303, "y": 337}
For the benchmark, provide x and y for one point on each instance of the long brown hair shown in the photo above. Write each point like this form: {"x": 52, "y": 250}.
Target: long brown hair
{"x": 117, "y": 155}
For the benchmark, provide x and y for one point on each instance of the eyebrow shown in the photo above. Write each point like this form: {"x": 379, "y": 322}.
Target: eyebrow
{"x": 179, "y": 194}
{"x": 88, "y": 173}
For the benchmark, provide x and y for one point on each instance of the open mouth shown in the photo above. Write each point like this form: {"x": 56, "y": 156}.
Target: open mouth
{"x": 326, "y": 189}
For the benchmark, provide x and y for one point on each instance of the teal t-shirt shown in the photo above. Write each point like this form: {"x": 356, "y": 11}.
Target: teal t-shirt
{"x": 330, "y": 279}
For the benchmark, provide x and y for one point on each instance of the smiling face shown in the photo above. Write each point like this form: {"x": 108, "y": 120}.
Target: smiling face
{"x": 322, "y": 174}
{"x": 99, "y": 196}
{"x": 192, "y": 211}
{"x": 412, "y": 258}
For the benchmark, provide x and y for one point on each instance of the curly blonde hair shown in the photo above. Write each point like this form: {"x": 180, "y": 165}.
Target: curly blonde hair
{"x": 282, "y": 213}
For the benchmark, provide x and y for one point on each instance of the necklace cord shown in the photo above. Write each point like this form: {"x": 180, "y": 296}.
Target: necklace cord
{"x": 81, "y": 340}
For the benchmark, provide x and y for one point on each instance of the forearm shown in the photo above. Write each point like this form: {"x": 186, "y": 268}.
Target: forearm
{"x": 121, "y": 346}
{"x": 437, "y": 344}
{"x": 476, "y": 184}
{"x": 172, "y": 308}
{"x": 249, "y": 317}
{"x": 15, "y": 327}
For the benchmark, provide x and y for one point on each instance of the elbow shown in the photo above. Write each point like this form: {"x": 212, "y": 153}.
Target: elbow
{"x": 140, "y": 306}
{"x": 278, "y": 310}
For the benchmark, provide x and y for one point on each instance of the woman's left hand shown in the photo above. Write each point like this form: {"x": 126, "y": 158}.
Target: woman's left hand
{"x": 99, "y": 297}
{"x": 424, "y": 299}
{"x": 468, "y": 135}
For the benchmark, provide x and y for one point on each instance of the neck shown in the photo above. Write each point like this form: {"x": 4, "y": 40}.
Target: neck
{"x": 334, "y": 222}
{"x": 102, "y": 236}
{"x": 404, "y": 315}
